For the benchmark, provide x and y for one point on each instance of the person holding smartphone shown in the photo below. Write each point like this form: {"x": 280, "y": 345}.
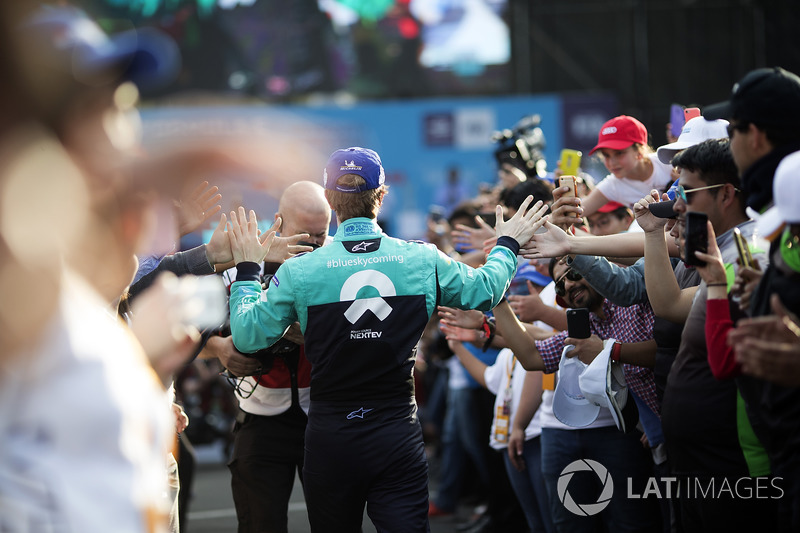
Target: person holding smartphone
{"x": 621, "y": 453}
{"x": 757, "y": 352}
{"x": 705, "y": 437}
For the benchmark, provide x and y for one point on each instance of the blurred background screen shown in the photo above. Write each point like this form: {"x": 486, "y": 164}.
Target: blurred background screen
{"x": 278, "y": 49}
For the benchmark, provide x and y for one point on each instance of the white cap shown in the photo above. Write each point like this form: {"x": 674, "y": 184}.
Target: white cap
{"x": 786, "y": 195}
{"x": 569, "y": 404}
{"x": 694, "y": 132}
{"x": 603, "y": 383}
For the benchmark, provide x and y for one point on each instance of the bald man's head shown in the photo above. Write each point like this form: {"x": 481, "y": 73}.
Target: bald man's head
{"x": 304, "y": 209}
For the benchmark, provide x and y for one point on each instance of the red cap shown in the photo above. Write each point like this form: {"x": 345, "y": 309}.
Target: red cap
{"x": 610, "y": 207}
{"x": 619, "y": 133}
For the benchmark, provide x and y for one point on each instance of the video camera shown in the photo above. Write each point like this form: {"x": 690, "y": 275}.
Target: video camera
{"x": 522, "y": 146}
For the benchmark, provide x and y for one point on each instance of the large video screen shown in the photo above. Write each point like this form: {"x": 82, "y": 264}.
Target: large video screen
{"x": 282, "y": 50}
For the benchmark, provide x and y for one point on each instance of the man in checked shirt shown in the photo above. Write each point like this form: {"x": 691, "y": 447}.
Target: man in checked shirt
{"x": 627, "y": 461}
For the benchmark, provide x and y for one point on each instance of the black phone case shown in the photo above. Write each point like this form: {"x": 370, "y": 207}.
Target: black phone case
{"x": 578, "y": 323}
{"x": 696, "y": 238}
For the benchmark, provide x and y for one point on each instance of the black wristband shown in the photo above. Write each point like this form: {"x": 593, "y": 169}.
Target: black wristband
{"x": 509, "y": 242}
{"x": 248, "y": 271}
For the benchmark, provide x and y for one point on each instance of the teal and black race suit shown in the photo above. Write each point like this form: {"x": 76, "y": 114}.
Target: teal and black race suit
{"x": 362, "y": 303}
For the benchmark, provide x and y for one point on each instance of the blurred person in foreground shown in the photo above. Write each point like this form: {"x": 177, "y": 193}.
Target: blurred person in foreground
{"x": 85, "y": 418}
{"x": 764, "y": 111}
{"x": 362, "y": 303}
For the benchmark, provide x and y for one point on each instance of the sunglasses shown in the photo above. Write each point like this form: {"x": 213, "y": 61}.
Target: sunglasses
{"x": 739, "y": 126}
{"x": 570, "y": 275}
{"x": 683, "y": 194}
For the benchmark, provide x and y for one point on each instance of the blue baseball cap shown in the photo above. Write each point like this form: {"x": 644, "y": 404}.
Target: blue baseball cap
{"x": 354, "y": 160}
{"x": 76, "y": 45}
{"x": 526, "y": 271}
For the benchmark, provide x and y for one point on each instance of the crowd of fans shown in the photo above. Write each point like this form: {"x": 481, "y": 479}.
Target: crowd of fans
{"x": 692, "y": 326}
{"x": 679, "y": 316}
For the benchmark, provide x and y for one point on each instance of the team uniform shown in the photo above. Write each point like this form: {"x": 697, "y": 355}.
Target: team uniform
{"x": 362, "y": 303}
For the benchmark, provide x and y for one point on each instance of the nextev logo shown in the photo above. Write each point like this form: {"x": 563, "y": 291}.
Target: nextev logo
{"x": 745, "y": 488}
{"x": 585, "y": 509}
{"x": 365, "y": 334}
{"x": 378, "y": 306}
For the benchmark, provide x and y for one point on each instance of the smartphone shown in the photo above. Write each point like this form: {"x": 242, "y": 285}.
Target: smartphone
{"x": 696, "y": 238}
{"x": 578, "y": 323}
{"x": 689, "y": 113}
{"x": 568, "y": 181}
{"x": 676, "y": 119}
{"x": 745, "y": 257}
{"x": 570, "y": 162}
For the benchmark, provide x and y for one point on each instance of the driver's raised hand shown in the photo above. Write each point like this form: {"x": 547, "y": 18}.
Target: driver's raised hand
{"x": 524, "y": 223}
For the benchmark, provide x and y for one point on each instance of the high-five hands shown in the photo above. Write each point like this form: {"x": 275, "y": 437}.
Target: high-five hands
{"x": 468, "y": 319}
{"x": 284, "y": 248}
{"x": 244, "y": 237}
{"x": 248, "y": 245}
{"x": 555, "y": 242}
{"x": 524, "y": 223}
{"x": 473, "y": 238}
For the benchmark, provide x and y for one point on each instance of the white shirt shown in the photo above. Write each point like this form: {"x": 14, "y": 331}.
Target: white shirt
{"x": 85, "y": 426}
{"x": 628, "y": 192}
{"x": 497, "y": 381}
